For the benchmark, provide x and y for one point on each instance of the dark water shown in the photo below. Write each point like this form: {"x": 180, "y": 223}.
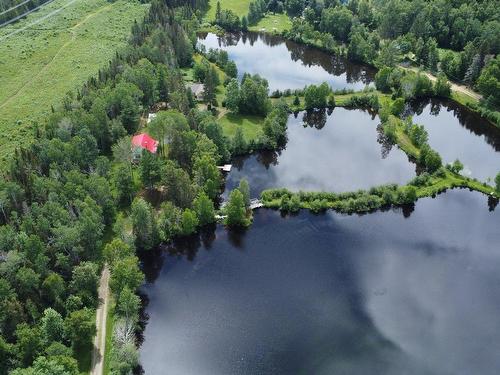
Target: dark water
{"x": 333, "y": 294}
{"x": 288, "y": 65}
{"x": 336, "y": 152}
{"x": 455, "y": 132}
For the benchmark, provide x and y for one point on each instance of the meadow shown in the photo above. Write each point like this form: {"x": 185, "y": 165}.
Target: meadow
{"x": 66, "y": 43}
{"x": 240, "y": 7}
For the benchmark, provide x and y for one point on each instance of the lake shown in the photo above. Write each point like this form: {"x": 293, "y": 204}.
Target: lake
{"x": 332, "y": 294}
{"x": 403, "y": 291}
{"x": 456, "y": 132}
{"x": 286, "y": 64}
{"x": 340, "y": 151}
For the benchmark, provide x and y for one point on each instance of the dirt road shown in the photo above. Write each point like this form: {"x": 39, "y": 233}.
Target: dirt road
{"x": 101, "y": 320}
{"x": 454, "y": 86}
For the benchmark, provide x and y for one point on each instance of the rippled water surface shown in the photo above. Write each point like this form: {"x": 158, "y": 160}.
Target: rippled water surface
{"x": 286, "y": 64}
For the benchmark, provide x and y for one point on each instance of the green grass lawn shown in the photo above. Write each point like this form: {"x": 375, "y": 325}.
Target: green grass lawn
{"x": 240, "y": 7}
{"x": 41, "y": 64}
{"x": 462, "y": 98}
{"x": 109, "y": 336}
{"x": 251, "y": 125}
{"x": 273, "y": 23}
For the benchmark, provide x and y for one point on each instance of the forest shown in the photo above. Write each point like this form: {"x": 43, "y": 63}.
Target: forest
{"x": 77, "y": 197}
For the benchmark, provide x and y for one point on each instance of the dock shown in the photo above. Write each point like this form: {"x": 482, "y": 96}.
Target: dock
{"x": 225, "y": 168}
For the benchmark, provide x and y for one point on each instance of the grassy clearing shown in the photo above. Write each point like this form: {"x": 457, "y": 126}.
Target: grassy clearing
{"x": 463, "y": 99}
{"x": 240, "y": 7}
{"x": 340, "y": 100}
{"x": 42, "y": 63}
{"x": 251, "y": 125}
{"x": 274, "y": 23}
{"x": 109, "y": 336}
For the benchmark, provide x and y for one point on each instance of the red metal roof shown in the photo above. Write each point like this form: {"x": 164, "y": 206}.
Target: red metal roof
{"x": 145, "y": 141}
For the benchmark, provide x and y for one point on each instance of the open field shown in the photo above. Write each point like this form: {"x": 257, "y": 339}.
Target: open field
{"x": 240, "y": 7}
{"x": 41, "y": 64}
{"x": 251, "y": 125}
{"x": 273, "y": 23}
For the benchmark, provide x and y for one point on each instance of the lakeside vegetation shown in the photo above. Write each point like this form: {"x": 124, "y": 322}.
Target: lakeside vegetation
{"x": 42, "y": 63}
{"x": 459, "y": 40}
{"x": 80, "y": 180}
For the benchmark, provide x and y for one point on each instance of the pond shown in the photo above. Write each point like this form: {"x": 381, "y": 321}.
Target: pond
{"x": 456, "y": 132}
{"x": 332, "y": 294}
{"x": 340, "y": 151}
{"x": 286, "y": 64}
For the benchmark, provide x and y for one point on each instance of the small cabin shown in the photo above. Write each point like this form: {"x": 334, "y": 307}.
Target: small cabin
{"x": 198, "y": 89}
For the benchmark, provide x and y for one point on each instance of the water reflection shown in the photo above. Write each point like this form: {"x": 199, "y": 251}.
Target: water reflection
{"x": 334, "y": 294}
{"x": 329, "y": 152}
{"x": 286, "y": 64}
{"x": 456, "y": 132}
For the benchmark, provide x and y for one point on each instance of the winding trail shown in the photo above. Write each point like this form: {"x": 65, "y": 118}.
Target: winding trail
{"x": 454, "y": 86}
{"x": 99, "y": 347}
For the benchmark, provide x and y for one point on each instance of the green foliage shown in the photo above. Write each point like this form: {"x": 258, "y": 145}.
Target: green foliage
{"x": 228, "y": 20}
{"x": 58, "y": 365}
{"x": 204, "y": 208}
{"x": 497, "y": 182}
{"x": 456, "y": 167}
{"x": 337, "y": 21}
{"x": 254, "y": 92}
{"x": 430, "y": 159}
{"x": 353, "y": 202}
{"x": 236, "y": 210}
{"x": 442, "y": 87}
{"x": 116, "y": 249}
{"x": 52, "y": 326}
{"x": 128, "y": 305}
{"x": 240, "y": 145}
{"x": 123, "y": 183}
{"x": 382, "y": 81}
{"x": 84, "y": 282}
{"x": 169, "y": 221}
{"x": 275, "y": 126}
{"x": 233, "y": 96}
{"x": 315, "y": 96}
{"x": 150, "y": 168}
{"x": 144, "y": 225}
{"x": 489, "y": 83}
{"x": 244, "y": 188}
{"x": 125, "y": 273}
{"x": 80, "y": 328}
{"x": 189, "y": 222}
{"x": 398, "y": 106}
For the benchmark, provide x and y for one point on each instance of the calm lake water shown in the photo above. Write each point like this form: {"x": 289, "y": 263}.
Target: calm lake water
{"x": 455, "y": 132}
{"x": 332, "y": 294}
{"x": 413, "y": 291}
{"x": 341, "y": 151}
{"x": 286, "y": 64}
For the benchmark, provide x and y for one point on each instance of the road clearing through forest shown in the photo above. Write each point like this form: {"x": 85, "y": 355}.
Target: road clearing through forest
{"x": 454, "y": 86}
{"x": 99, "y": 347}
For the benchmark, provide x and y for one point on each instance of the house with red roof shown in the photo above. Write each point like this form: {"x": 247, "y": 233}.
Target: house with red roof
{"x": 144, "y": 142}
